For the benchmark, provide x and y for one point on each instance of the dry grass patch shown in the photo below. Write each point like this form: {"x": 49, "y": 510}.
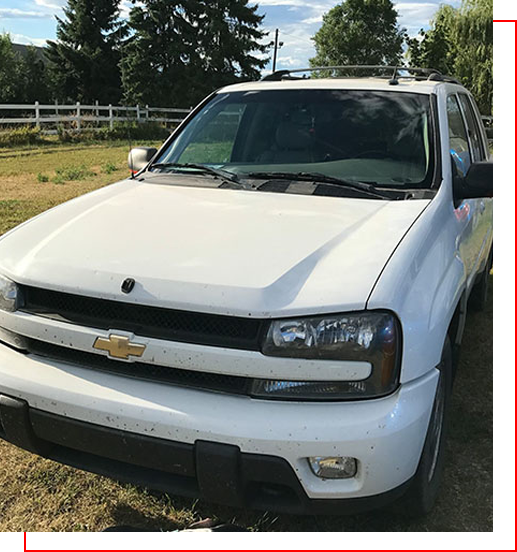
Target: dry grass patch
{"x": 35, "y": 179}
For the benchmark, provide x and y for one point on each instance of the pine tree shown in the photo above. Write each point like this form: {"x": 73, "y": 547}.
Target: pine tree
{"x": 231, "y": 42}
{"x": 84, "y": 59}
{"x": 34, "y": 78}
{"x": 160, "y": 54}
{"x": 180, "y": 50}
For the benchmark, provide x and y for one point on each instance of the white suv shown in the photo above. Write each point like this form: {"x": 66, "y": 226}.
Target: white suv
{"x": 267, "y": 313}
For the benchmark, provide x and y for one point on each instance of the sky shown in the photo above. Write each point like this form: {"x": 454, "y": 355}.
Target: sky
{"x": 33, "y": 21}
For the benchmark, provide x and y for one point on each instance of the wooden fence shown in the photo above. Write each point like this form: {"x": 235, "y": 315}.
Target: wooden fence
{"x": 79, "y": 116}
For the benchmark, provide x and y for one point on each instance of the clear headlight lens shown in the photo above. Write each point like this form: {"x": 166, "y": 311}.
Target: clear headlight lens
{"x": 367, "y": 336}
{"x": 8, "y": 295}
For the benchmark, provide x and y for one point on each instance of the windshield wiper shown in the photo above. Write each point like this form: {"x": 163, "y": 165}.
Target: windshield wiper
{"x": 221, "y": 173}
{"x": 320, "y": 178}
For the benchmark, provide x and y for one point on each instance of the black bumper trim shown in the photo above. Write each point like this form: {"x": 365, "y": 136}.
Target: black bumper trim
{"x": 215, "y": 472}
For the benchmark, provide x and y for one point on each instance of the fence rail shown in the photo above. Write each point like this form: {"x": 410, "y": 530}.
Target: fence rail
{"x": 78, "y": 114}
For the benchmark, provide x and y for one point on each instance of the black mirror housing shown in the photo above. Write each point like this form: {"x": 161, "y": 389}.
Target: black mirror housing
{"x": 139, "y": 158}
{"x": 479, "y": 182}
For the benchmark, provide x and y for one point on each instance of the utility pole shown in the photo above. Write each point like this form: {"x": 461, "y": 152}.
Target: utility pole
{"x": 278, "y": 45}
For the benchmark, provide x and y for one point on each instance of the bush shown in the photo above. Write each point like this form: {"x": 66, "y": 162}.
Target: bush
{"x": 134, "y": 131}
{"x": 109, "y": 167}
{"x": 67, "y": 135}
{"x": 42, "y": 177}
{"x": 72, "y": 172}
{"x": 130, "y": 130}
{"x": 21, "y": 136}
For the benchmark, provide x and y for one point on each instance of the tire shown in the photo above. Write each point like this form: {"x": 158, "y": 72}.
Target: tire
{"x": 478, "y": 300}
{"x": 421, "y": 495}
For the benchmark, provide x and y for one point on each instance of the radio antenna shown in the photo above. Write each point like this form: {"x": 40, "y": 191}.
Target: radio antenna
{"x": 130, "y": 146}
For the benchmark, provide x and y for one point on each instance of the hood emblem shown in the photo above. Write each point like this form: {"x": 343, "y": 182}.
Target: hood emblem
{"x": 128, "y": 285}
{"x": 118, "y": 346}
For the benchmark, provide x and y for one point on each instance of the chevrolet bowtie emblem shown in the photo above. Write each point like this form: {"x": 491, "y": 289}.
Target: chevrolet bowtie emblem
{"x": 118, "y": 346}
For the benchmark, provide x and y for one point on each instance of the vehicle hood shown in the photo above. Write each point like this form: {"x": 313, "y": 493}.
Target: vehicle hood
{"x": 211, "y": 250}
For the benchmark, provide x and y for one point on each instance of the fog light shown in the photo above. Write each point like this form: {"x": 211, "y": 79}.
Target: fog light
{"x": 333, "y": 467}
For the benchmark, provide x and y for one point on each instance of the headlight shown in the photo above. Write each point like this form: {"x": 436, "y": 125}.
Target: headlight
{"x": 8, "y": 295}
{"x": 369, "y": 336}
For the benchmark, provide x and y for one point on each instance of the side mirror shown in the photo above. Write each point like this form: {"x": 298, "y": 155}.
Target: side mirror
{"x": 479, "y": 182}
{"x": 139, "y": 158}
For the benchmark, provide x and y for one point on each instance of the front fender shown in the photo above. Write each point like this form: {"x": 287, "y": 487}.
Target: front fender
{"x": 422, "y": 283}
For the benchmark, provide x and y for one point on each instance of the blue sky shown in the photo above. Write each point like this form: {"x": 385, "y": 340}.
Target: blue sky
{"x": 33, "y": 21}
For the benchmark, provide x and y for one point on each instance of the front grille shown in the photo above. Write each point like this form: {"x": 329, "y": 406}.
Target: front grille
{"x": 171, "y": 325}
{"x": 150, "y": 372}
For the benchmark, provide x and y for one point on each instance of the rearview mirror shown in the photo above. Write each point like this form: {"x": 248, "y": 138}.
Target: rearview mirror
{"x": 478, "y": 182}
{"x": 139, "y": 158}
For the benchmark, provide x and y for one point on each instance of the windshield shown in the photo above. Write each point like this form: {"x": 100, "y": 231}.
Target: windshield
{"x": 381, "y": 138}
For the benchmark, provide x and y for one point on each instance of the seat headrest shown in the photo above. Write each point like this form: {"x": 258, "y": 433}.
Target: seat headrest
{"x": 292, "y": 137}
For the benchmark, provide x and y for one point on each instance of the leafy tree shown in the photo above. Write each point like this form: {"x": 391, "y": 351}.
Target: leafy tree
{"x": 433, "y": 48}
{"x": 84, "y": 59}
{"x": 179, "y": 50}
{"x": 10, "y": 71}
{"x": 473, "y": 40}
{"x": 359, "y": 32}
{"x": 460, "y": 43}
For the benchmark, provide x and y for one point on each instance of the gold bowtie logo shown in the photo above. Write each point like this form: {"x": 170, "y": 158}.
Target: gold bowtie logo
{"x": 118, "y": 346}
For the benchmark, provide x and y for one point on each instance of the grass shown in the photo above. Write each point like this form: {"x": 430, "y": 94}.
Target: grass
{"x": 40, "y": 495}
{"x": 33, "y": 179}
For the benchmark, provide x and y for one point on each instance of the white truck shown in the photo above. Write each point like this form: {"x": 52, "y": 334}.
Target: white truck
{"x": 267, "y": 314}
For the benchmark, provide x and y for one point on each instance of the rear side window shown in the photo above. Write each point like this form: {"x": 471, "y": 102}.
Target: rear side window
{"x": 458, "y": 138}
{"x": 478, "y": 151}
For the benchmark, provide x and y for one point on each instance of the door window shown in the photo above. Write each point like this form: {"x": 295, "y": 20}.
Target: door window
{"x": 458, "y": 138}
{"x": 478, "y": 151}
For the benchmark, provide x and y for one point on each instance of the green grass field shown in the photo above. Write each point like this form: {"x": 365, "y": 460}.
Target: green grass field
{"x": 40, "y": 495}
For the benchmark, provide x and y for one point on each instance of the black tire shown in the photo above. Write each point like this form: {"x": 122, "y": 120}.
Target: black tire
{"x": 422, "y": 493}
{"x": 478, "y": 300}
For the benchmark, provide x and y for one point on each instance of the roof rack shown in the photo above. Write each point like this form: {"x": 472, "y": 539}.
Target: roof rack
{"x": 393, "y": 73}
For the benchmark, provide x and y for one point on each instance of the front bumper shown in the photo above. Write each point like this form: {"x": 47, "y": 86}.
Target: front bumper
{"x": 245, "y": 439}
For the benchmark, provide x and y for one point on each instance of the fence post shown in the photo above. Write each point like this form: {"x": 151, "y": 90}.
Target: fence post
{"x": 138, "y": 113}
{"x": 147, "y": 112}
{"x": 111, "y": 116}
{"x": 36, "y": 109}
{"x": 78, "y": 116}
{"x": 56, "y": 108}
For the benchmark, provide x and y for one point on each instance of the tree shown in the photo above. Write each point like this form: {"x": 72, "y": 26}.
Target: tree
{"x": 460, "y": 43}
{"x": 10, "y": 71}
{"x": 433, "y": 48}
{"x": 34, "y": 78}
{"x": 359, "y": 32}
{"x": 473, "y": 40}
{"x": 178, "y": 51}
{"x": 230, "y": 42}
{"x": 84, "y": 60}
{"x": 159, "y": 56}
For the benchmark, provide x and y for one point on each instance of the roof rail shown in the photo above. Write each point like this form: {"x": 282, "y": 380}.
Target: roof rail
{"x": 422, "y": 73}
